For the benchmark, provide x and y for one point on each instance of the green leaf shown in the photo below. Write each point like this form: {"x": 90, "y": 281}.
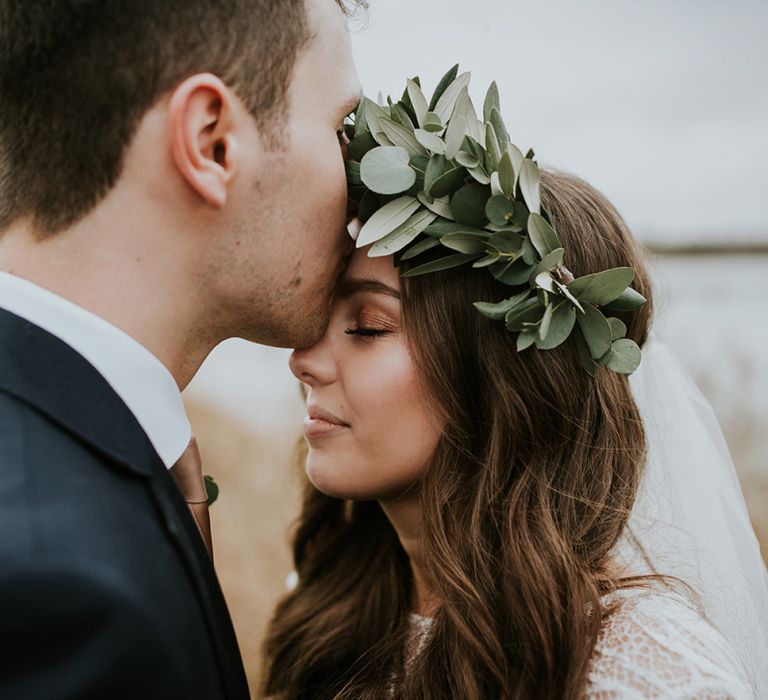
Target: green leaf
{"x": 360, "y": 145}
{"x": 401, "y": 116}
{"x": 526, "y": 339}
{"x": 446, "y": 263}
{"x": 436, "y": 167}
{"x": 448, "y": 183}
{"x": 353, "y": 173}
{"x": 583, "y": 354}
{"x": 486, "y": 261}
{"x": 479, "y": 175}
{"x": 499, "y": 210}
{"x": 602, "y": 287}
{"x": 507, "y": 175}
{"x": 361, "y": 124}
{"x": 499, "y": 311}
{"x": 445, "y": 81}
{"x": 433, "y": 123}
{"x": 618, "y": 328}
{"x": 211, "y": 490}
{"x": 506, "y": 242}
{"x": 562, "y": 320}
{"x": 596, "y": 330}
{"x": 542, "y": 235}
{"x": 432, "y": 142}
{"x": 403, "y": 235}
{"x": 501, "y": 130}
{"x": 468, "y": 160}
{"x": 386, "y": 170}
{"x": 492, "y": 101}
{"x": 530, "y": 185}
{"x": 628, "y": 300}
{"x": 367, "y": 206}
{"x": 447, "y": 101}
{"x": 551, "y": 261}
{"x": 418, "y": 101}
{"x": 421, "y": 247}
{"x": 496, "y": 188}
{"x": 492, "y": 146}
{"x": 529, "y": 311}
{"x": 373, "y": 115}
{"x": 512, "y": 273}
{"x": 400, "y": 136}
{"x": 467, "y": 243}
{"x": 462, "y": 121}
{"x": 517, "y": 158}
{"x": 444, "y": 228}
{"x": 468, "y": 204}
{"x": 440, "y": 206}
{"x": 624, "y": 356}
{"x": 387, "y": 219}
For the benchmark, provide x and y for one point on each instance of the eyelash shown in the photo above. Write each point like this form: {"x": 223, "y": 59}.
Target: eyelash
{"x": 366, "y": 332}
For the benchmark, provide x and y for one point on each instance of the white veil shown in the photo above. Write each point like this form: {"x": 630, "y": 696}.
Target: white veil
{"x": 690, "y": 517}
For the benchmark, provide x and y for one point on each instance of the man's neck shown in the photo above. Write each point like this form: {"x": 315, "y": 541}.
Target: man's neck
{"x": 139, "y": 293}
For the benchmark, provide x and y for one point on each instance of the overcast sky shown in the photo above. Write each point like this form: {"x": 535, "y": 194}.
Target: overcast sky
{"x": 662, "y": 104}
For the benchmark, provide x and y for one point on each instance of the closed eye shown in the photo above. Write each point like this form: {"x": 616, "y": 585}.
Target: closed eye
{"x": 366, "y": 332}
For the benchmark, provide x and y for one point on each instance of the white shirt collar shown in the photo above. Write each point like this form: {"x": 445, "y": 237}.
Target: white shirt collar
{"x": 143, "y": 382}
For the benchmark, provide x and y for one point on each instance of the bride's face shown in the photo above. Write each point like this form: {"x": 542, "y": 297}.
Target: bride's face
{"x": 369, "y": 426}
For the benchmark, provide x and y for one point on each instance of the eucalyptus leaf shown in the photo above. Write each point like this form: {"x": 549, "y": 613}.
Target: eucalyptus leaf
{"x": 367, "y": 206}
{"x": 529, "y": 311}
{"x": 530, "y": 185}
{"x": 436, "y": 167}
{"x": 624, "y": 356}
{"x": 496, "y": 188}
{"x": 628, "y": 300}
{"x": 361, "y": 124}
{"x": 400, "y": 115}
{"x": 542, "y": 235}
{"x": 444, "y": 228}
{"x": 461, "y": 124}
{"x": 544, "y": 280}
{"x": 421, "y": 247}
{"x": 468, "y": 204}
{"x": 517, "y": 158}
{"x": 419, "y": 102}
{"x": 583, "y": 354}
{"x": 499, "y": 210}
{"x": 525, "y": 339}
{"x": 596, "y": 331}
{"x": 211, "y": 490}
{"x": 486, "y": 261}
{"x": 479, "y": 175}
{"x": 386, "y": 170}
{"x": 561, "y": 324}
{"x": 551, "y": 261}
{"x": 506, "y": 242}
{"x": 403, "y": 235}
{"x": 448, "y": 182}
{"x": 512, "y": 273}
{"x": 445, "y": 81}
{"x": 602, "y": 287}
{"x": 360, "y": 145}
{"x": 352, "y": 170}
{"x": 499, "y": 311}
{"x": 618, "y": 328}
{"x": 387, "y": 219}
{"x": 440, "y": 206}
{"x": 445, "y": 263}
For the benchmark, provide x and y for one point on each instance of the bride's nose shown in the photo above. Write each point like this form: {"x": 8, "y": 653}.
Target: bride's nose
{"x": 314, "y": 365}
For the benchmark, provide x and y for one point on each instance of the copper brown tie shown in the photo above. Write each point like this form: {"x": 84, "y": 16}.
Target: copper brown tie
{"x": 188, "y": 473}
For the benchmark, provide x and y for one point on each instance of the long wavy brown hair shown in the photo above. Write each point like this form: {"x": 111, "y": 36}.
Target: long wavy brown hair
{"x": 523, "y": 501}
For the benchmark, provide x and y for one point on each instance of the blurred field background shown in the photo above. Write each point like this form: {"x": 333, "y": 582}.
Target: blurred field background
{"x": 663, "y": 107}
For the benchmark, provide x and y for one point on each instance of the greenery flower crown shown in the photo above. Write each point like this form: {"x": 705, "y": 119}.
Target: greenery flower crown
{"x": 433, "y": 176}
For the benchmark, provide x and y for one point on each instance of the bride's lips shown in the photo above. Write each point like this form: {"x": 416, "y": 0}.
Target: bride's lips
{"x": 320, "y": 423}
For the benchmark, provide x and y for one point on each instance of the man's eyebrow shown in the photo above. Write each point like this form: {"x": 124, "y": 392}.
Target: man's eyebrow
{"x": 348, "y": 287}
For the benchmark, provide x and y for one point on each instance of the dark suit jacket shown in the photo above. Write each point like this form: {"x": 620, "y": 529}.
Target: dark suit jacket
{"x": 106, "y": 589}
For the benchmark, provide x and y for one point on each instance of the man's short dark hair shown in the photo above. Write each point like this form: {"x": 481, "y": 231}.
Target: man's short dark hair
{"x": 77, "y": 76}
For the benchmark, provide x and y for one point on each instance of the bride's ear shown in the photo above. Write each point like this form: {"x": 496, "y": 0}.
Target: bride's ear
{"x": 203, "y": 139}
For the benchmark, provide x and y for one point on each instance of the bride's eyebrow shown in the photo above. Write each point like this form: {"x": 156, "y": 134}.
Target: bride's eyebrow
{"x": 348, "y": 287}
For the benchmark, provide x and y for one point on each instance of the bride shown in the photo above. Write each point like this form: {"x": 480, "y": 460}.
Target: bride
{"x": 467, "y": 524}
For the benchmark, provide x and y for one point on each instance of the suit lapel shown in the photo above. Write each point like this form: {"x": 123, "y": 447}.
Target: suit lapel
{"x": 46, "y": 373}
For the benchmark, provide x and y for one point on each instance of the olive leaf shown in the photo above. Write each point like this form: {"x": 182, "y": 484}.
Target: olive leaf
{"x": 445, "y": 263}
{"x": 387, "y": 219}
{"x": 447, "y": 101}
{"x": 430, "y": 141}
{"x": 492, "y": 101}
{"x": 445, "y": 81}
{"x": 421, "y": 247}
{"x": 440, "y": 206}
{"x": 419, "y": 102}
{"x": 530, "y": 184}
{"x": 499, "y": 311}
{"x": 506, "y": 175}
{"x": 403, "y": 235}
{"x": 400, "y": 136}
{"x": 387, "y": 170}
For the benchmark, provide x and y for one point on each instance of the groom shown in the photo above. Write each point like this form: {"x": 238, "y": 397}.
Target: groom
{"x": 170, "y": 176}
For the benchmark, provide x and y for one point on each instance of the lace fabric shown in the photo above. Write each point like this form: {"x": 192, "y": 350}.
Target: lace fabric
{"x": 654, "y": 645}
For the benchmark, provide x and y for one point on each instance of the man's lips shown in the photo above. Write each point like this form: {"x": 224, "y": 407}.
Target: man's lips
{"x": 320, "y": 423}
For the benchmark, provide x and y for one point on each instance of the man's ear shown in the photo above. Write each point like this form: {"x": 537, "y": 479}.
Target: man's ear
{"x": 203, "y": 143}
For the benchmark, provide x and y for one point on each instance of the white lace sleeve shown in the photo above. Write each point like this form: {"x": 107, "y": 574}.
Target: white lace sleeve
{"x": 657, "y": 646}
